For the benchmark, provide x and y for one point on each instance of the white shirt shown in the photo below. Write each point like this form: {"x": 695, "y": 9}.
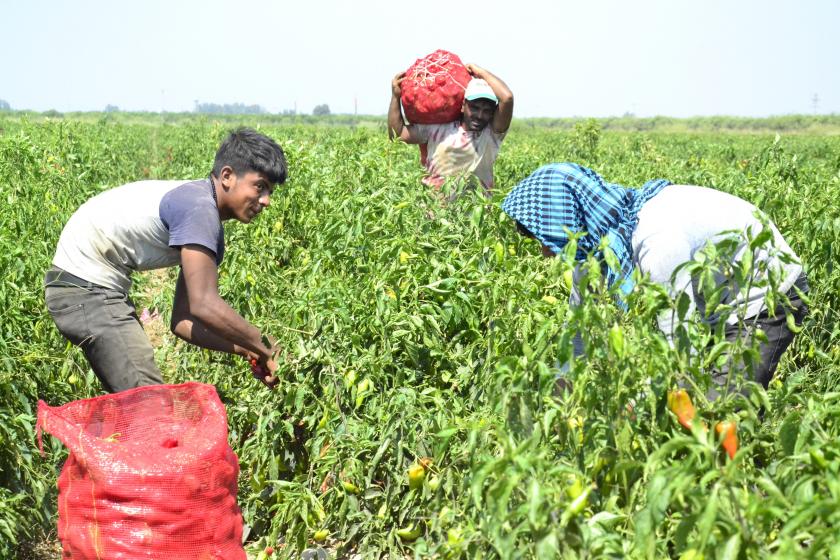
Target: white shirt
{"x": 678, "y": 222}
{"x": 453, "y": 151}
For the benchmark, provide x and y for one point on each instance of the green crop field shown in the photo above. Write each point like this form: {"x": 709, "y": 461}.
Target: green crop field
{"x": 414, "y": 332}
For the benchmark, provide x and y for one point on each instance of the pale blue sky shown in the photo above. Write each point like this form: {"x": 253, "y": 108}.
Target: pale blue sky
{"x": 561, "y": 58}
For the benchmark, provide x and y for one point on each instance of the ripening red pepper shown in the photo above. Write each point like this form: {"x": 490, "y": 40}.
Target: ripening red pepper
{"x": 729, "y": 439}
{"x": 680, "y": 404}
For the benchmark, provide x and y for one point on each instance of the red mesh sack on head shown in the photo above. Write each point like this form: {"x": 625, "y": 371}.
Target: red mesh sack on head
{"x": 433, "y": 89}
{"x": 150, "y": 475}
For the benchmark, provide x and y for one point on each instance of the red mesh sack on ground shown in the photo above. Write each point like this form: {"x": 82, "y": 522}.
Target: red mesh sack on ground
{"x": 150, "y": 475}
{"x": 433, "y": 89}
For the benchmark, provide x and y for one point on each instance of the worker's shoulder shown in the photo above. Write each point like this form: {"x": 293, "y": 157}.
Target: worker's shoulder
{"x": 163, "y": 186}
{"x": 135, "y": 198}
{"x": 144, "y": 190}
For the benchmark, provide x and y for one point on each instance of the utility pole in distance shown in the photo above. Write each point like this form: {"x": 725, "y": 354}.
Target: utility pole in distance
{"x": 815, "y": 101}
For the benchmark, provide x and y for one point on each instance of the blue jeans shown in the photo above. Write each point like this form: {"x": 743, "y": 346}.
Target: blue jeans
{"x": 104, "y": 324}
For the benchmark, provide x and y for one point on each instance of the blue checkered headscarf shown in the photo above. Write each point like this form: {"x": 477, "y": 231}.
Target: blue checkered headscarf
{"x": 562, "y": 198}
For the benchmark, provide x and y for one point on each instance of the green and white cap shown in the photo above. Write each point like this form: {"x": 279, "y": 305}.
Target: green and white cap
{"x": 480, "y": 89}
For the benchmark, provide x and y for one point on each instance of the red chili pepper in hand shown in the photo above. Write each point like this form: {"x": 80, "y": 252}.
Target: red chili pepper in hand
{"x": 261, "y": 372}
{"x": 256, "y": 369}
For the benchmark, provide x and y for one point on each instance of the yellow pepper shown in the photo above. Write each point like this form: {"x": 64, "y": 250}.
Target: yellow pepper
{"x": 680, "y": 404}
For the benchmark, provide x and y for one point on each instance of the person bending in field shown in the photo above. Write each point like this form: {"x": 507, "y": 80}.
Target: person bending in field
{"x": 657, "y": 228}
{"x": 155, "y": 224}
{"x": 463, "y": 147}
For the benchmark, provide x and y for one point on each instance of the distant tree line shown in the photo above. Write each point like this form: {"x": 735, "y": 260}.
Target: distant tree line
{"x": 321, "y": 114}
{"x": 630, "y": 123}
{"x": 229, "y": 109}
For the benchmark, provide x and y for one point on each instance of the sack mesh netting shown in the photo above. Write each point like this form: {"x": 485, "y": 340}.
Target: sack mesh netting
{"x": 433, "y": 89}
{"x": 150, "y": 474}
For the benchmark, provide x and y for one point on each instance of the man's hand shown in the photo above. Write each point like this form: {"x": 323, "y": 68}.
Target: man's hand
{"x": 265, "y": 367}
{"x": 475, "y": 70}
{"x": 266, "y": 373}
{"x": 396, "y": 85}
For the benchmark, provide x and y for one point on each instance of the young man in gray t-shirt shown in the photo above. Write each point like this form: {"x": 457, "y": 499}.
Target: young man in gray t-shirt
{"x": 156, "y": 224}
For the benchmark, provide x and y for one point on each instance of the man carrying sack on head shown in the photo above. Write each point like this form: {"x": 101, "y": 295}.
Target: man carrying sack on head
{"x": 465, "y": 147}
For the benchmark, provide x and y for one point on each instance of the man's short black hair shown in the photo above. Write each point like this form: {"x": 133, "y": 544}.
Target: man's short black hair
{"x": 246, "y": 150}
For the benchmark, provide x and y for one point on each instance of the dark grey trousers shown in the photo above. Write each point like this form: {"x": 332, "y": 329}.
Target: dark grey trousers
{"x": 104, "y": 324}
{"x": 779, "y": 337}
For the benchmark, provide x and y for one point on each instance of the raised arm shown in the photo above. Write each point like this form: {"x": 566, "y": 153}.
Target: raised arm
{"x": 201, "y": 317}
{"x": 396, "y": 126}
{"x": 504, "y": 112}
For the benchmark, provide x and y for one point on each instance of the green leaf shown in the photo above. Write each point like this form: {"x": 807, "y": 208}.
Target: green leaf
{"x": 683, "y": 303}
{"x": 706, "y": 521}
{"x": 548, "y": 547}
{"x": 732, "y": 548}
{"x": 789, "y": 432}
{"x": 759, "y": 240}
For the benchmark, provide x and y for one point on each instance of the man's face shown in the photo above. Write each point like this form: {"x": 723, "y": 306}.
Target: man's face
{"x": 477, "y": 114}
{"x": 246, "y": 195}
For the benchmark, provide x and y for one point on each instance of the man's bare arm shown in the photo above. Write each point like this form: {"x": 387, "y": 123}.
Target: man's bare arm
{"x": 396, "y": 126}
{"x": 189, "y": 328}
{"x": 200, "y": 316}
{"x": 504, "y": 112}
